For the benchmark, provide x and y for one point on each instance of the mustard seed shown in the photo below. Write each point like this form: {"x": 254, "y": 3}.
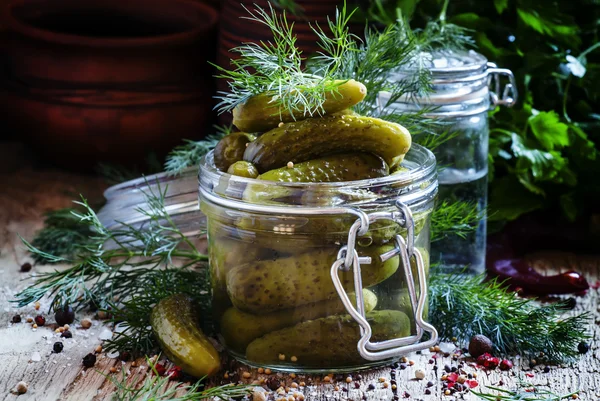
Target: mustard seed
{"x": 282, "y": 357}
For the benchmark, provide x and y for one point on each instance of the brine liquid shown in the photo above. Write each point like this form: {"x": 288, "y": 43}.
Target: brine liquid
{"x": 452, "y": 252}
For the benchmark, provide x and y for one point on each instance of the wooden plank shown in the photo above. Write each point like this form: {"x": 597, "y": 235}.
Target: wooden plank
{"x": 61, "y": 377}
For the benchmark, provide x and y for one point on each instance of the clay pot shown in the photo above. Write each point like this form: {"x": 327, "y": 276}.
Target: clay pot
{"x": 108, "y": 80}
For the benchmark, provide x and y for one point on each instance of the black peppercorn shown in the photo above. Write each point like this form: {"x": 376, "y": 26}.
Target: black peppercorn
{"x": 16, "y": 319}
{"x": 273, "y": 383}
{"x": 547, "y": 369}
{"x": 371, "y": 387}
{"x": 25, "y": 267}
{"x": 358, "y": 377}
{"x": 58, "y": 347}
{"x": 427, "y": 391}
{"x": 583, "y": 347}
{"x": 89, "y": 360}
{"x": 431, "y": 361}
{"x": 66, "y": 334}
{"x": 402, "y": 366}
{"x": 447, "y": 369}
{"x": 429, "y": 384}
{"x": 64, "y": 315}
{"x": 454, "y": 369}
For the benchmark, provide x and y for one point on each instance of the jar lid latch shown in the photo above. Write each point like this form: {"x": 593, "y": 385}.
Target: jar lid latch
{"x": 509, "y": 93}
{"x": 348, "y": 258}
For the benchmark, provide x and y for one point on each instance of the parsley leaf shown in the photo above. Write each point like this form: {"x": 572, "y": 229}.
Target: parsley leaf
{"x": 549, "y": 130}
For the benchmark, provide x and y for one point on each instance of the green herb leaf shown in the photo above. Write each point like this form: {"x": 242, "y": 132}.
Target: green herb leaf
{"x": 533, "y": 19}
{"x": 500, "y": 5}
{"x": 549, "y": 130}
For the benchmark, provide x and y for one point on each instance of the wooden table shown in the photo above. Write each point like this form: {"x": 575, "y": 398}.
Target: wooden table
{"x": 28, "y": 192}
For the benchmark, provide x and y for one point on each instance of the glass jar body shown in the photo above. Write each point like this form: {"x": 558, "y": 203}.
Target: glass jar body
{"x": 459, "y": 101}
{"x": 274, "y": 300}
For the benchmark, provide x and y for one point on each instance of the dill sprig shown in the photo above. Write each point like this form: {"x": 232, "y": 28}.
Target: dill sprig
{"x": 99, "y": 268}
{"x": 161, "y": 388}
{"x": 523, "y": 392}
{"x": 276, "y": 67}
{"x": 462, "y": 306}
{"x": 189, "y": 154}
{"x": 63, "y": 235}
{"x": 458, "y": 218}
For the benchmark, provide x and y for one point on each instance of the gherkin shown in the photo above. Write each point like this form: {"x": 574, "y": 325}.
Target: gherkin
{"x": 261, "y": 113}
{"x": 312, "y": 138}
{"x": 326, "y": 342}
{"x": 240, "y": 328}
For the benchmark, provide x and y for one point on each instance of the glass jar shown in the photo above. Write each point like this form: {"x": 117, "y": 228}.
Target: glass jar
{"x": 460, "y": 99}
{"x": 320, "y": 277}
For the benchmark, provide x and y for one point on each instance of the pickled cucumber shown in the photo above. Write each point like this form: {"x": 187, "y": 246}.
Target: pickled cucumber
{"x": 231, "y": 148}
{"x": 326, "y": 342}
{"x": 342, "y": 167}
{"x": 240, "y": 328}
{"x": 260, "y": 113}
{"x": 174, "y": 322}
{"x": 269, "y": 285}
{"x": 243, "y": 169}
{"x": 314, "y": 137}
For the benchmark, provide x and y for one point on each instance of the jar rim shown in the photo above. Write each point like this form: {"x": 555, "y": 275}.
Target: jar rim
{"x": 421, "y": 171}
{"x": 419, "y": 180}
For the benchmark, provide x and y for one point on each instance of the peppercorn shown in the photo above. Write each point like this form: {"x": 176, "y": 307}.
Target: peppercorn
{"x": 160, "y": 369}
{"x": 447, "y": 368}
{"x": 427, "y": 391}
{"x": 21, "y": 387}
{"x": 124, "y": 356}
{"x": 64, "y": 315}
{"x": 480, "y": 345}
{"x": 371, "y": 387}
{"x": 506, "y": 364}
{"x": 583, "y": 347}
{"x": 547, "y": 369}
{"x": 273, "y": 383}
{"x": 402, "y": 366}
{"x": 58, "y": 347}
{"x": 89, "y": 360}
{"x": 25, "y": 267}
{"x": 16, "y": 319}
{"x": 66, "y": 334}
{"x": 356, "y": 385}
{"x": 429, "y": 384}
{"x": 40, "y": 320}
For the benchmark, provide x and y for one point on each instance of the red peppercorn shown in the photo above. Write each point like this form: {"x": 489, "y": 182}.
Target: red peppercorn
{"x": 174, "y": 373}
{"x": 492, "y": 363}
{"x": 506, "y": 364}
{"x": 40, "y": 320}
{"x": 160, "y": 369}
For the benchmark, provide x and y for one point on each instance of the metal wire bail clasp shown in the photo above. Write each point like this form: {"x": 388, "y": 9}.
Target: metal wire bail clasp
{"x": 348, "y": 258}
{"x": 508, "y": 96}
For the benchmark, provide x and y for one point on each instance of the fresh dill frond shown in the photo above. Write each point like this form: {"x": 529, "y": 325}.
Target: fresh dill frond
{"x": 191, "y": 152}
{"x": 160, "y": 388}
{"x": 131, "y": 316}
{"x": 462, "y": 306}
{"x": 96, "y": 272}
{"x": 523, "y": 392}
{"x": 63, "y": 235}
{"x": 457, "y": 218}
{"x": 275, "y": 67}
